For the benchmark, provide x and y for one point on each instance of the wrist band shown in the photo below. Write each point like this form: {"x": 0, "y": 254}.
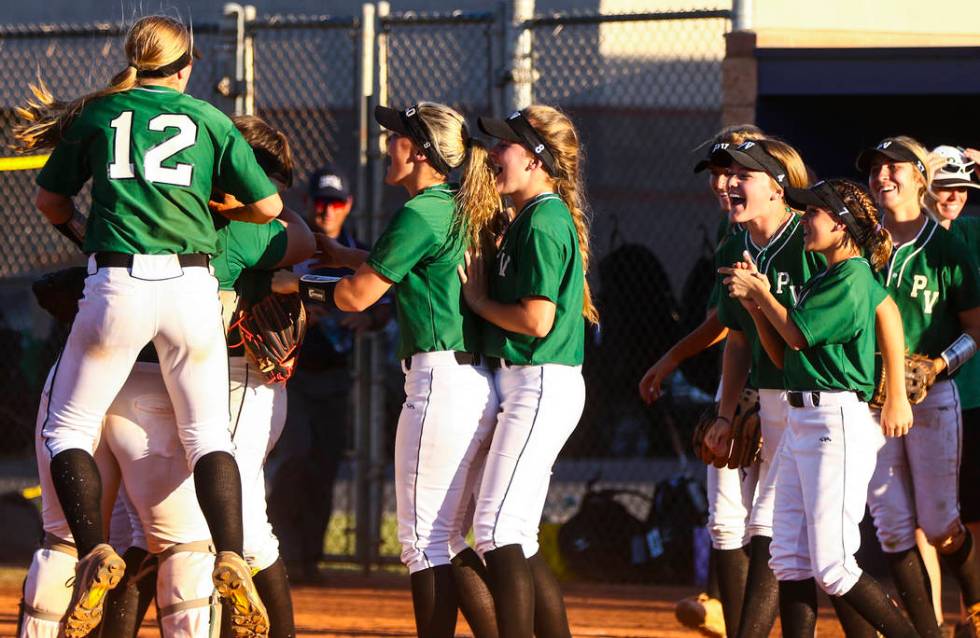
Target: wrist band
{"x": 74, "y": 228}
{"x": 318, "y": 288}
{"x": 723, "y": 418}
{"x": 959, "y": 352}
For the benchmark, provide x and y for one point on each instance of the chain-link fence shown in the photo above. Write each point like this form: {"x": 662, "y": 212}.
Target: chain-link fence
{"x": 644, "y": 91}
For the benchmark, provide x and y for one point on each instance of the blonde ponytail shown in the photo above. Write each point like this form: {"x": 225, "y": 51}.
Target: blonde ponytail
{"x": 152, "y": 42}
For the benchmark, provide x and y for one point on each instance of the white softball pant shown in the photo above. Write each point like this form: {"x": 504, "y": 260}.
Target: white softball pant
{"x": 773, "y": 416}
{"x": 916, "y": 483}
{"x": 540, "y": 406}
{"x": 121, "y": 311}
{"x": 825, "y": 463}
{"x": 443, "y": 433}
{"x": 730, "y": 497}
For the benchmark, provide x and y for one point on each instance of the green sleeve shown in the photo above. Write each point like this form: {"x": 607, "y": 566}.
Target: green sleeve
{"x": 964, "y": 277}
{"x": 67, "y": 170}
{"x": 260, "y": 245}
{"x": 825, "y": 315}
{"x": 238, "y": 172}
{"x": 405, "y": 242}
{"x": 543, "y": 261}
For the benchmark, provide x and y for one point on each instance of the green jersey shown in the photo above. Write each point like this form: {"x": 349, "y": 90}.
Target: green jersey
{"x": 154, "y": 154}
{"x": 788, "y": 266}
{"x": 968, "y": 377}
{"x": 539, "y": 257}
{"x": 419, "y": 251}
{"x": 836, "y": 314}
{"x": 932, "y": 278}
{"x": 242, "y": 245}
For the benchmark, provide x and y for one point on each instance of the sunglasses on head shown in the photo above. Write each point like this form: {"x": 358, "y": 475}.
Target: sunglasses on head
{"x": 959, "y": 169}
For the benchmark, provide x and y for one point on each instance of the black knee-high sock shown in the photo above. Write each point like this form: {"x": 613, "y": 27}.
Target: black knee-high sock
{"x": 912, "y": 581}
{"x": 273, "y": 587}
{"x": 761, "y": 604}
{"x": 853, "y": 623}
{"x": 550, "y": 617}
{"x": 219, "y": 492}
{"x": 965, "y": 565}
{"x": 870, "y": 600}
{"x": 474, "y": 597}
{"x": 732, "y": 566}
{"x": 513, "y": 591}
{"x": 78, "y": 484}
{"x": 434, "y": 600}
{"x": 712, "y": 587}
{"x": 126, "y": 605}
{"x": 798, "y": 608}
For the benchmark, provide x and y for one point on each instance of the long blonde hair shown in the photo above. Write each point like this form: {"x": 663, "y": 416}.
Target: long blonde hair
{"x": 789, "y": 157}
{"x": 926, "y": 196}
{"x": 558, "y": 132}
{"x": 477, "y": 202}
{"x": 152, "y": 42}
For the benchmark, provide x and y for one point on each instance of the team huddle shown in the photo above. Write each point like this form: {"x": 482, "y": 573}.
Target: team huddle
{"x": 157, "y": 417}
{"x": 855, "y": 314}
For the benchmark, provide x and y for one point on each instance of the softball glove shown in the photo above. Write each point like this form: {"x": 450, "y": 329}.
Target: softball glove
{"x": 920, "y": 374}
{"x": 746, "y": 434}
{"x": 58, "y": 292}
{"x": 272, "y": 330}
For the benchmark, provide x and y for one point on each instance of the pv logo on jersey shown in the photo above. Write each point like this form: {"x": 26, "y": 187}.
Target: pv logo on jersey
{"x": 929, "y": 297}
{"x": 783, "y": 281}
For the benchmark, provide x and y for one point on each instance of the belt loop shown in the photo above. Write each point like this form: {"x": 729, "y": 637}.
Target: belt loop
{"x": 406, "y": 364}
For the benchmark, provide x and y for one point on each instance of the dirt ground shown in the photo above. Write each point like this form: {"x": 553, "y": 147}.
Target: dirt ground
{"x": 351, "y": 604}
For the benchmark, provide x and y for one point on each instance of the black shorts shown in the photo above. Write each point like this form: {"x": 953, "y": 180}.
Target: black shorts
{"x": 970, "y": 467}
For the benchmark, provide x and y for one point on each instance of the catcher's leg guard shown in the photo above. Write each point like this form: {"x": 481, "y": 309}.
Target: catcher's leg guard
{"x": 46, "y": 594}
{"x": 186, "y": 599}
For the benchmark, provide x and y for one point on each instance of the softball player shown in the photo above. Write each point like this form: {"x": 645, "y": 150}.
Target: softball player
{"x": 772, "y": 236}
{"x": 730, "y": 492}
{"x": 825, "y": 344}
{"x": 933, "y": 279}
{"x": 534, "y": 333}
{"x": 153, "y": 155}
{"x": 448, "y": 415}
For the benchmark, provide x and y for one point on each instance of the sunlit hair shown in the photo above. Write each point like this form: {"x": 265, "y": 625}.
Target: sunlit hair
{"x": 152, "y": 42}
{"x": 734, "y": 134}
{"x": 477, "y": 202}
{"x": 926, "y": 196}
{"x": 559, "y": 134}
{"x": 271, "y": 147}
{"x": 878, "y": 243}
{"x": 797, "y": 175}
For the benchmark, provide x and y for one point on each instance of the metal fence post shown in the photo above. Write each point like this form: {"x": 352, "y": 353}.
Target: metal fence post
{"x": 248, "y": 63}
{"x": 742, "y": 15}
{"x": 518, "y": 79}
{"x": 236, "y": 12}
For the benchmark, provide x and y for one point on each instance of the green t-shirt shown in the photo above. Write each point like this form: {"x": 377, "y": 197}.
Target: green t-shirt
{"x": 419, "y": 251}
{"x": 968, "y": 377}
{"x": 788, "y": 266}
{"x": 242, "y": 245}
{"x": 836, "y": 314}
{"x": 153, "y": 154}
{"x": 932, "y": 279}
{"x": 539, "y": 257}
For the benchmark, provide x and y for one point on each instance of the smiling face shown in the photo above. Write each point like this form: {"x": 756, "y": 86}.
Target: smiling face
{"x": 718, "y": 183}
{"x": 400, "y": 153}
{"x": 894, "y": 184}
{"x": 821, "y": 230}
{"x": 950, "y": 201}
{"x": 749, "y": 193}
{"x": 514, "y": 166}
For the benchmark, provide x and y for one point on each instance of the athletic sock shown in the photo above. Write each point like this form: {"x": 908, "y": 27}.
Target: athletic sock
{"x": 219, "y": 493}
{"x": 550, "y": 617}
{"x": 853, "y": 623}
{"x": 870, "y": 600}
{"x": 78, "y": 484}
{"x": 761, "y": 604}
{"x": 273, "y": 587}
{"x": 911, "y": 579}
{"x": 513, "y": 591}
{"x": 798, "y": 608}
{"x": 732, "y": 566}
{"x": 434, "y": 601}
{"x": 474, "y": 597}
{"x": 965, "y": 565}
{"x": 712, "y": 587}
{"x": 126, "y": 605}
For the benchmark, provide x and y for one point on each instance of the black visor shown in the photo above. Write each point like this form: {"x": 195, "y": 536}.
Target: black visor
{"x": 823, "y": 195}
{"x": 752, "y": 156}
{"x": 169, "y": 69}
{"x": 893, "y": 150}
{"x": 410, "y": 124}
{"x": 517, "y": 129}
{"x": 706, "y": 161}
